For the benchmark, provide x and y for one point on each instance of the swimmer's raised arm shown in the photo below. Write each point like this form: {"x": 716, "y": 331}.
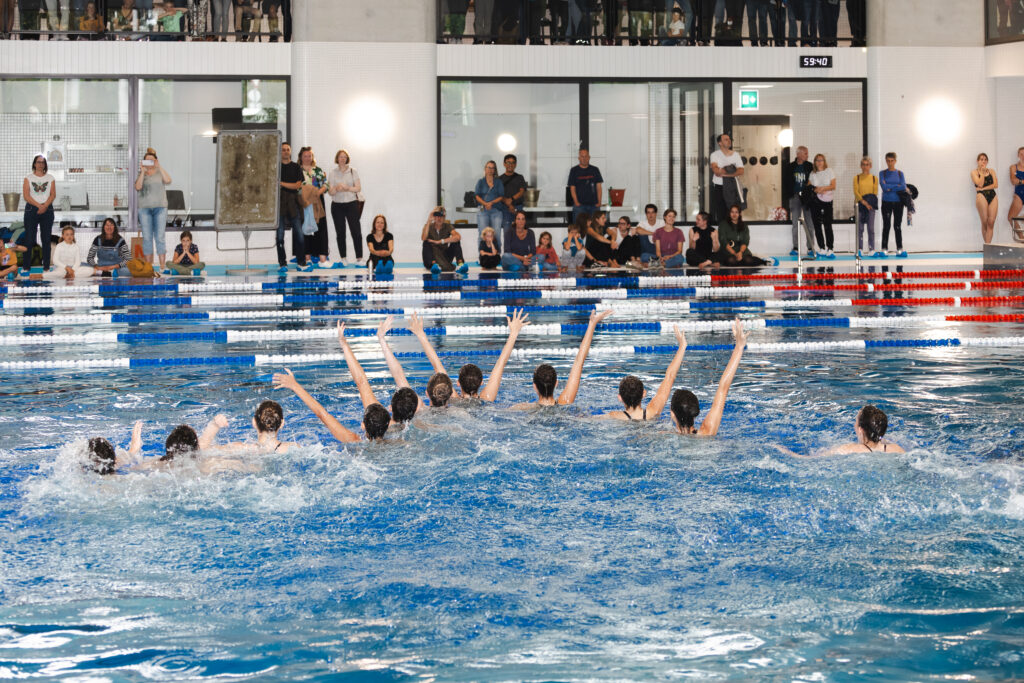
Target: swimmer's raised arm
{"x": 515, "y": 325}
{"x": 710, "y": 425}
{"x": 416, "y": 327}
{"x": 572, "y": 386}
{"x": 356, "y": 370}
{"x": 657, "y": 404}
{"x": 134, "y": 447}
{"x": 286, "y": 380}
{"x": 393, "y": 365}
{"x": 218, "y": 423}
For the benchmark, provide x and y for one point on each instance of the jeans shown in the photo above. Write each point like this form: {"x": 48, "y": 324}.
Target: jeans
{"x": 489, "y": 218}
{"x": 508, "y": 220}
{"x": 757, "y": 21}
{"x": 340, "y": 213}
{"x": 583, "y": 208}
{"x": 865, "y": 220}
{"x": 222, "y": 16}
{"x": 676, "y": 261}
{"x": 44, "y": 221}
{"x": 153, "y": 222}
{"x": 777, "y": 18}
{"x": 828, "y": 22}
{"x": 508, "y": 261}
{"x": 298, "y": 239}
{"x": 542, "y": 261}
{"x": 809, "y": 27}
{"x": 795, "y": 9}
{"x": 891, "y": 210}
{"x": 797, "y": 209}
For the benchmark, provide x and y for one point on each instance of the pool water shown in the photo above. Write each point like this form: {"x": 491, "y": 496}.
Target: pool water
{"x": 488, "y": 544}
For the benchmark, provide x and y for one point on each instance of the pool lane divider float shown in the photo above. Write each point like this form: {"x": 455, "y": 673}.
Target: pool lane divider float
{"x": 568, "y": 352}
{"x": 568, "y": 329}
{"x": 641, "y": 281}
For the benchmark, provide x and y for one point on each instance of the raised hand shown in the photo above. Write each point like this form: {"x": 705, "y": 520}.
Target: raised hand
{"x": 518, "y": 321}
{"x": 680, "y": 336}
{"x": 596, "y": 317}
{"x": 415, "y": 324}
{"x": 220, "y": 420}
{"x": 739, "y": 333}
{"x": 385, "y": 327}
{"x": 285, "y": 380}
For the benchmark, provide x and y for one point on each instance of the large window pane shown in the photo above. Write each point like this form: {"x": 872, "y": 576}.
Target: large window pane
{"x": 82, "y": 128}
{"x": 541, "y": 122}
{"x": 824, "y": 117}
{"x": 619, "y": 140}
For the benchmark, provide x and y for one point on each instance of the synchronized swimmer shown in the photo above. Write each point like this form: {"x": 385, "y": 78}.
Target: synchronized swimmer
{"x": 183, "y": 443}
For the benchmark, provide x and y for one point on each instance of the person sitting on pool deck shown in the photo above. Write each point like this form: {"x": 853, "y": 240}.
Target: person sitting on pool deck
{"x": 439, "y": 388}
{"x": 631, "y": 389}
{"x": 404, "y": 402}
{"x": 470, "y": 376}
{"x": 686, "y": 407}
{"x": 183, "y": 441}
{"x": 375, "y": 418}
{"x": 545, "y": 378}
{"x": 268, "y": 420}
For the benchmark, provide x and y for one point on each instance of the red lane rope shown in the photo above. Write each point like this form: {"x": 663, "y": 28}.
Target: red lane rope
{"x": 913, "y": 275}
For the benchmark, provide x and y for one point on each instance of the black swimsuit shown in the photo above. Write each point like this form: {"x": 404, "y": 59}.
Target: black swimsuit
{"x": 989, "y": 195}
{"x": 630, "y": 418}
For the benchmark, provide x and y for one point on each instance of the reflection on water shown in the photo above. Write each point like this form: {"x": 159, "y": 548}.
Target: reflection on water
{"x": 507, "y": 546}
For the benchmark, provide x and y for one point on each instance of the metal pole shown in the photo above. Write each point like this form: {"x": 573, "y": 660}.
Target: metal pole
{"x": 133, "y": 151}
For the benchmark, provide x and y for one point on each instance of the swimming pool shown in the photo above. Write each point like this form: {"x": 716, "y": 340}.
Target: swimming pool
{"x": 504, "y": 546}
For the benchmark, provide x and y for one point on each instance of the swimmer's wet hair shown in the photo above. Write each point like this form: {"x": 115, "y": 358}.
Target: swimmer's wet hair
{"x": 874, "y": 423}
{"x": 102, "y": 459}
{"x": 470, "y": 379}
{"x": 375, "y": 421}
{"x": 545, "y": 378}
{"x": 269, "y": 417}
{"x": 685, "y": 407}
{"x": 181, "y": 441}
{"x": 404, "y": 404}
{"x": 439, "y": 389}
{"x": 631, "y": 389}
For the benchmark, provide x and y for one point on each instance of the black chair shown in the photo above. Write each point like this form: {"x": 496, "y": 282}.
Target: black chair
{"x": 175, "y": 200}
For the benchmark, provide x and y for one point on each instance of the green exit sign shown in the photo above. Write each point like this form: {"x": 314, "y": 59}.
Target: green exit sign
{"x": 748, "y": 100}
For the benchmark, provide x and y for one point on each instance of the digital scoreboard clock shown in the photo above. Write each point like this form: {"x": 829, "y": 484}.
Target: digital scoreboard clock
{"x": 815, "y": 61}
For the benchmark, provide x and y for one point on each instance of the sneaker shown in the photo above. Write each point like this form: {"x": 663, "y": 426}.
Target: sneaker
{"x": 168, "y": 271}
{"x": 313, "y": 260}
{"x": 878, "y": 254}
{"x": 810, "y": 256}
{"x": 463, "y": 268}
{"x": 893, "y": 253}
{"x": 772, "y": 261}
{"x": 338, "y": 265}
{"x": 902, "y": 254}
{"x": 308, "y": 268}
{"x": 196, "y": 272}
{"x": 114, "y": 273}
{"x": 11, "y": 276}
{"x": 830, "y": 254}
{"x": 435, "y": 269}
{"x": 324, "y": 263}
{"x": 292, "y": 260}
{"x": 283, "y": 270}
{"x": 794, "y": 252}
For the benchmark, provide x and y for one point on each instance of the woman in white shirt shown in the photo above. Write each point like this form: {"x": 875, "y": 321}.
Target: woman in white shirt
{"x": 67, "y": 261}
{"x": 39, "y": 190}
{"x": 344, "y": 187}
{"x": 823, "y": 180}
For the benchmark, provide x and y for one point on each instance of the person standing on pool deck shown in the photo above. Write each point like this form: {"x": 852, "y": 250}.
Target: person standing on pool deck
{"x": 375, "y": 419}
{"x": 686, "y": 407}
{"x": 1017, "y": 180}
{"x": 545, "y": 378}
{"x": 631, "y": 389}
{"x": 470, "y": 376}
{"x": 404, "y": 402}
{"x": 585, "y": 184}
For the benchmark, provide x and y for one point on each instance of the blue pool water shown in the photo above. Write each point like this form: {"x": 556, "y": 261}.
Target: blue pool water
{"x": 493, "y": 545}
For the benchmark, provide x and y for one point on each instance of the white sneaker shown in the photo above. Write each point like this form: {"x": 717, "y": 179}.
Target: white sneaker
{"x": 829, "y": 253}
{"x": 324, "y": 264}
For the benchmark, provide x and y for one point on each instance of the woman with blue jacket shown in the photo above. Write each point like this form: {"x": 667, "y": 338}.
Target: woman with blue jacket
{"x": 892, "y": 182}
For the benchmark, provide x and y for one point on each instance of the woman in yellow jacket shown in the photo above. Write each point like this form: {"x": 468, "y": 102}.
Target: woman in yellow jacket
{"x": 865, "y": 194}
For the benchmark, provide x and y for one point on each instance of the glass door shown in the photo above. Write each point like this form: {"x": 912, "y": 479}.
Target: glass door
{"x": 696, "y": 116}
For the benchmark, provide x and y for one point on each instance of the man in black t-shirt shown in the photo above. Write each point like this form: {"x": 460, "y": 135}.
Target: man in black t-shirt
{"x": 289, "y": 213}
{"x": 515, "y": 190}
{"x": 585, "y": 183}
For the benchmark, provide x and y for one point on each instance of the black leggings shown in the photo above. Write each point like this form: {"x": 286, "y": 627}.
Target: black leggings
{"x": 891, "y": 211}
{"x": 348, "y": 211}
{"x": 695, "y": 258}
{"x": 821, "y": 212}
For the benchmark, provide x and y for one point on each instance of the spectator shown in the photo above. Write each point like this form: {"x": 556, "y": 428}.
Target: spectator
{"x": 1017, "y": 180}
{"x": 344, "y": 185}
{"x": 152, "y": 202}
{"x": 865, "y": 195}
{"x": 515, "y": 190}
{"x": 777, "y": 18}
{"x": 601, "y": 243}
{"x": 489, "y": 194}
{"x": 892, "y": 183}
{"x": 547, "y": 259}
{"x": 856, "y": 12}
{"x": 39, "y": 190}
{"x": 829, "y": 22}
{"x": 734, "y": 237}
{"x": 793, "y": 182}
{"x": 29, "y": 12}
{"x": 585, "y": 184}
{"x": 124, "y": 19}
{"x": 669, "y": 241}
{"x": 67, "y": 262}
{"x": 797, "y": 26}
{"x": 381, "y": 244}
{"x": 453, "y": 18}
{"x": 811, "y": 21}
{"x": 222, "y": 17}
{"x": 290, "y": 215}
{"x": 442, "y": 244}
{"x": 186, "y": 257}
{"x": 646, "y": 228}
{"x": 198, "y": 10}
{"x": 521, "y": 249}
{"x": 676, "y": 29}
{"x": 579, "y": 22}
{"x": 9, "y": 257}
{"x": 629, "y": 250}
{"x": 823, "y": 180}
{"x": 109, "y": 251}
{"x": 317, "y": 245}
{"x": 91, "y": 21}
{"x": 704, "y": 243}
{"x": 270, "y": 10}
{"x": 170, "y": 20}
{"x": 490, "y": 255}
{"x": 757, "y": 22}
{"x": 247, "y": 13}
{"x": 573, "y": 251}
{"x": 725, "y": 164}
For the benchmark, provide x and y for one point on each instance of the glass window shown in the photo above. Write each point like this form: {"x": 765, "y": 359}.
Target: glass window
{"x": 1004, "y": 21}
{"x": 82, "y": 128}
{"x": 537, "y": 122}
{"x": 824, "y": 117}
